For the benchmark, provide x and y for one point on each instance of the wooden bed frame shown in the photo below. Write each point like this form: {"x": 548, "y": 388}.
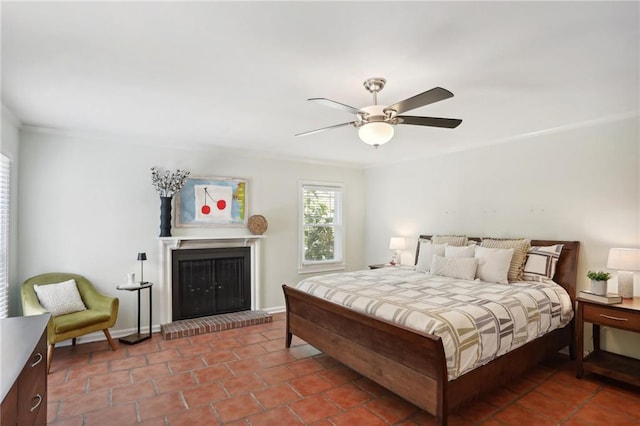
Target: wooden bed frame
{"x": 412, "y": 364}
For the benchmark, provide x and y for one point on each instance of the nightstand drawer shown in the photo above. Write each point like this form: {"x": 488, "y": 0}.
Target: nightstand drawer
{"x": 606, "y": 315}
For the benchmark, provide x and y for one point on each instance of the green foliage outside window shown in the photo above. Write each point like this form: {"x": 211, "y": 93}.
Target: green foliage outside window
{"x": 319, "y": 238}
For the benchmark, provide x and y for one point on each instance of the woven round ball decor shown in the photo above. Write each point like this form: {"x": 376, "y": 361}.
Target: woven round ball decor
{"x": 257, "y": 224}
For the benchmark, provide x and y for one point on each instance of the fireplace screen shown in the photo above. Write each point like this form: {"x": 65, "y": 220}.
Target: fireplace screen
{"x": 210, "y": 281}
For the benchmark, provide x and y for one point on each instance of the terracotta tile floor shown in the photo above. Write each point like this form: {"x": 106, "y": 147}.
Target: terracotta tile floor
{"x": 246, "y": 377}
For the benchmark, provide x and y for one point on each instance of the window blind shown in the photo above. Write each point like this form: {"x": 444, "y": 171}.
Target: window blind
{"x": 321, "y": 214}
{"x": 5, "y": 191}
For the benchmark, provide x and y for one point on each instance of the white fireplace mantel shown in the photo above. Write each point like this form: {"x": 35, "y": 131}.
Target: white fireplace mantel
{"x": 168, "y": 244}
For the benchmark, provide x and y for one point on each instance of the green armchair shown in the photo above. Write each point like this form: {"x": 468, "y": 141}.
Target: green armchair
{"x": 101, "y": 313}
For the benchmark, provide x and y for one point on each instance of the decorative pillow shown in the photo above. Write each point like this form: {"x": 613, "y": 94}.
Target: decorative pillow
{"x": 452, "y": 240}
{"x": 520, "y": 247}
{"x": 60, "y": 298}
{"x": 541, "y": 262}
{"x": 464, "y": 251}
{"x": 493, "y": 264}
{"x": 426, "y": 253}
{"x": 463, "y": 268}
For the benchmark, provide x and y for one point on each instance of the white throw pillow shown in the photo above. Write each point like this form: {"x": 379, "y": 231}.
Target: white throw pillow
{"x": 426, "y": 253}
{"x": 519, "y": 246}
{"x": 60, "y": 298}
{"x": 493, "y": 264}
{"x": 463, "y": 268}
{"x": 463, "y": 251}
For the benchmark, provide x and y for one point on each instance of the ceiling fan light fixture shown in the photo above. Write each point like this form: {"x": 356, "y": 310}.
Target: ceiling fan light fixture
{"x": 376, "y": 133}
{"x": 375, "y": 123}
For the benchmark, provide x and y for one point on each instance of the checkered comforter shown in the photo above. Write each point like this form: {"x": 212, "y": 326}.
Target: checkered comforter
{"x": 477, "y": 321}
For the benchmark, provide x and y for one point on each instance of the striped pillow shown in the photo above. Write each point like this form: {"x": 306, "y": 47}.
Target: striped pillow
{"x": 452, "y": 240}
{"x": 520, "y": 248}
{"x": 541, "y": 262}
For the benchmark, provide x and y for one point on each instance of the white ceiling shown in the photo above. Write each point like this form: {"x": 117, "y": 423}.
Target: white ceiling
{"x": 238, "y": 74}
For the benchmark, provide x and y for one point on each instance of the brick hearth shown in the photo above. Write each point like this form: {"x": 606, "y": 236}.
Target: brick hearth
{"x": 203, "y": 325}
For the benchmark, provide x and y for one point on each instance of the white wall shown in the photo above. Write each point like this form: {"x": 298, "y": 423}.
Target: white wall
{"x": 87, "y": 205}
{"x": 581, "y": 184}
{"x": 9, "y": 146}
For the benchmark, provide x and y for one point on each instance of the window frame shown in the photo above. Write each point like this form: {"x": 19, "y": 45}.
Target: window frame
{"x": 5, "y": 241}
{"x": 338, "y": 263}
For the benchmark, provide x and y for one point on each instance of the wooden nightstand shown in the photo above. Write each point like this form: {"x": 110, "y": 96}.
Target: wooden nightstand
{"x": 625, "y": 316}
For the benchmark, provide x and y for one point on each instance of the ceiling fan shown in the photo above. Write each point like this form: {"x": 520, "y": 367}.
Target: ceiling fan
{"x": 375, "y": 122}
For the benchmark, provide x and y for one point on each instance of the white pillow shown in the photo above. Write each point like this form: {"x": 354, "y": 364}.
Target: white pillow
{"x": 455, "y": 267}
{"x": 493, "y": 264}
{"x": 426, "y": 253}
{"x": 60, "y": 298}
{"x": 463, "y": 251}
{"x": 519, "y": 246}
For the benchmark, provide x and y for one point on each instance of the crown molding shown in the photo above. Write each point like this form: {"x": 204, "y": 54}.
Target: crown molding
{"x": 88, "y": 135}
{"x": 9, "y": 115}
{"x": 627, "y": 115}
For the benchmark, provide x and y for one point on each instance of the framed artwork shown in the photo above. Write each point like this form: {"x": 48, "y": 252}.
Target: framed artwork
{"x": 214, "y": 201}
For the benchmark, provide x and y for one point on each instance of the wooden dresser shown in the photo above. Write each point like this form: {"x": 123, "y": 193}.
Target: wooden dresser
{"x": 23, "y": 361}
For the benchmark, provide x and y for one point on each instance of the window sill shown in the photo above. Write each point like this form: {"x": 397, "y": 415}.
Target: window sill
{"x": 310, "y": 269}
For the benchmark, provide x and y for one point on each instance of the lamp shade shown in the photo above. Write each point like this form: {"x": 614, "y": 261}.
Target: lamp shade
{"x": 142, "y": 256}
{"x": 375, "y": 133}
{"x": 624, "y": 259}
{"x": 396, "y": 243}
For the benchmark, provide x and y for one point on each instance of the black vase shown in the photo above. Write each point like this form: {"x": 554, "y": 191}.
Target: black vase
{"x": 165, "y": 216}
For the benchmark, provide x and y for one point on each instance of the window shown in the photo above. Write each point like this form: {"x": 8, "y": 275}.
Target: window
{"x": 321, "y": 228}
{"x": 5, "y": 188}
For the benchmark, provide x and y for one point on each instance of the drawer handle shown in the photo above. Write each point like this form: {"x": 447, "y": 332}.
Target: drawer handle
{"x": 37, "y": 403}
{"x": 40, "y": 357}
{"x": 614, "y": 318}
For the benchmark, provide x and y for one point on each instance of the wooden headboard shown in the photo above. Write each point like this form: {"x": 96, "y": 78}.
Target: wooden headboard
{"x": 566, "y": 269}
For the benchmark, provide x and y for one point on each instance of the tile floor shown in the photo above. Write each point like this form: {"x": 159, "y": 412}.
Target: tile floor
{"x": 246, "y": 377}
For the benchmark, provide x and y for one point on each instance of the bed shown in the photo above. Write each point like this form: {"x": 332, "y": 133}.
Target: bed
{"x": 413, "y": 364}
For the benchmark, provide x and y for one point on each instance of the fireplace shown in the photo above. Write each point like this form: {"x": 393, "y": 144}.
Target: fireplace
{"x": 178, "y": 244}
{"x": 210, "y": 281}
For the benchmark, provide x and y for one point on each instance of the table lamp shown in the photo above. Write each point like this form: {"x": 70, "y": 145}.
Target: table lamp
{"x": 142, "y": 257}
{"x": 396, "y": 244}
{"x": 624, "y": 260}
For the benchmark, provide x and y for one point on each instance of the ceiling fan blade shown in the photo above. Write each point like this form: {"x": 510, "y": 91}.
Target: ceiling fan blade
{"x": 449, "y": 123}
{"x": 334, "y": 104}
{"x": 326, "y": 128}
{"x": 430, "y": 96}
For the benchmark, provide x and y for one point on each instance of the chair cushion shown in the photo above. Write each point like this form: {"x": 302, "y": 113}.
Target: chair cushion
{"x": 78, "y": 320}
{"x": 60, "y": 298}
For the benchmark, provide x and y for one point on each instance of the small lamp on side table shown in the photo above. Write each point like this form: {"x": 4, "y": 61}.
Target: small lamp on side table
{"x": 142, "y": 257}
{"x": 624, "y": 260}
{"x": 396, "y": 244}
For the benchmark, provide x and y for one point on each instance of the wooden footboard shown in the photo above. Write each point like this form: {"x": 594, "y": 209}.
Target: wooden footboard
{"x": 409, "y": 363}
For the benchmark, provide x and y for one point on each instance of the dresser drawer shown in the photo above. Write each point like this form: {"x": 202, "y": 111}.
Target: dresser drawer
{"x": 23, "y": 368}
{"x": 608, "y": 315}
{"x": 32, "y": 385}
